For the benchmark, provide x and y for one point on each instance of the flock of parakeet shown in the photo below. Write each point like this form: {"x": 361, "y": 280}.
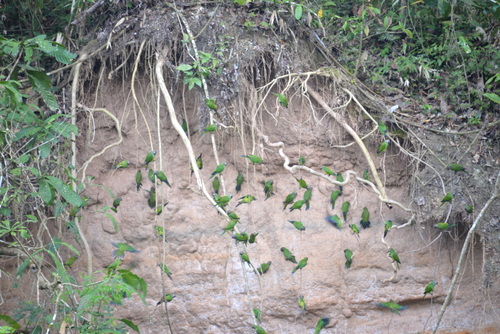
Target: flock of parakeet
{"x": 290, "y": 201}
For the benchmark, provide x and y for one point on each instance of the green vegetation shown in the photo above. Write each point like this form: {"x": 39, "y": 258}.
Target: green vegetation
{"x": 37, "y": 193}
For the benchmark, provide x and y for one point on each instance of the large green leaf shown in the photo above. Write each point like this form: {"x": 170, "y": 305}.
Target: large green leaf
{"x": 130, "y": 324}
{"x": 136, "y": 282}
{"x": 45, "y": 192}
{"x": 53, "y": 49}
{"x": 42, "y": 85}
{"x": 11, "y": 322}
{"x": 69, "y": 195}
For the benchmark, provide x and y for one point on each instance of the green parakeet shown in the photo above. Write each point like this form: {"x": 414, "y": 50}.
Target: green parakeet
{"x": 288, "y": 255}
{"x": 302, "y": 303}
{"x": 230, "y": 226}
{"x": 430, "y": 288}
{"x": 69, "y": 262}
{"x": 289, "y": 199}
{"x": 122, "y": 164}
{"x": 255, "y": 159}
{"x": 387, "y": 227}
{"x": 302, "y": 183}
{"x": 216, "y": 184}
{"x": 184, "y": 126}
{"x": 447, "y": 198}
{"x": 456, "y": 167}
{"x": 222, "y": 201}
{"x": 121, "y": 248}
{"x": 302, "y": 161}
{"x": 116, "y": 203}
{"x": 354, "y": 229}
{"x": 211, "y": 128}
{"x": 443, "y": 226}
{"x": 297, "y": 205}
{"x": 328, "y": 171}
{"x": 210, "y": 103}
{"x": 233, "y": 215}
{"x": 239, "y": 181}
{"x": 366, "y": 175}
{"x": 307, "y": 197}
{"x": 345, "y": 209}
{"x": 322, "y": 323}
{"x": 138, "y": 180}
{"x": 162, "y": 177}
{"x": 333, "y": 197}
{"x": 335, "y": 220}
{"x": 340, "y": 178}
{"x": 298, "y": 225}
{"x": 167, "y": 298}
{"x": 244, "y": 256}
{"x": 383, "y": 146}
{"x": 152, "y": 197}
{"x": 159, "y": 209}
{"x": 469, "y": 209}
{"x": 348, "y": 256}
{"x": 268, "y": 189}
{"x": 253, "y": 238}
{"x": 241, "y": 237}
{"x": 256, "y": 314}
{"x": 245, "y": 200}
{"x": 158, "y": 230}
{"x": 259, "y": 330}
{"x": 382, "y": 128}
{"x": 302, "y": 263}
{"x": 264, "y": 267}
{"x": 165, "y": 269}
{"x": 151, "y": 176}
{"x": 282, "y": 99}
{"x": 149, "y": 158}
{"x": 365, "y": 218}
{"x": 218, "y": 170}
{"x": 199, "y": 163}
{"x": 394, "y": 256}
{"x": 391, "y": 305}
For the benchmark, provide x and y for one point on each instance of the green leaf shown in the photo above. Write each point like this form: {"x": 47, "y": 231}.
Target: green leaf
{"x": 46, "y": 193}
{"x": 16, "y": 171}
{"x": 69, "y": 195}
{"x": 464, "y": 43}
{"x": 54, "y": 49}
{"x": 64, "y": 129}
{"x": 35, "y": 171}
{"x": 44, "y": 150}
{"x": 42, "y": 85}
{"x": 11, "y": 322}
{"x": 22, "y": 268}
{"x": 28, "y": 131}
{"x": 5, "y": 211}
{"x": 24, "y": 158}
{"x": 493, "y": 97}
{"x": 184, "y": 67}
{"x": 298, "y": 12}
{"x": 113, "y": 220}
{"x": 13, "y": 91}
{"x": 130, "y": 324}
{"x": 134, "y": 281}
{"x": 31, "y": 219}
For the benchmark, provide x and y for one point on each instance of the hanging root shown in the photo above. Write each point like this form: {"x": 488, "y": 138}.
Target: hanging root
{"x": 293, "y": 169}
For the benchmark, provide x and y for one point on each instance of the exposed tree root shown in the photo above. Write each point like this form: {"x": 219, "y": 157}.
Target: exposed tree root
{"x": 187, "y": 143}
